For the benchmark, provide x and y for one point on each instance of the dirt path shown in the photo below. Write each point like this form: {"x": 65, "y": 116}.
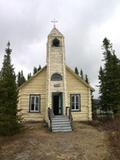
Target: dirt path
{"x": 37, "y": 143}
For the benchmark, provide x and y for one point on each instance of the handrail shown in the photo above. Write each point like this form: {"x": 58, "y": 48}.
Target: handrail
{"x": 50, "y": 116}
{"x": 69, "y": 114}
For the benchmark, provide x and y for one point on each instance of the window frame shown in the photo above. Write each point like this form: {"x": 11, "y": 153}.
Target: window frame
{"x": 30, "y": 102}
{"x": 57, "y": 41}
{"x": 57, "y": 74}
{"x": 79, "y": 102}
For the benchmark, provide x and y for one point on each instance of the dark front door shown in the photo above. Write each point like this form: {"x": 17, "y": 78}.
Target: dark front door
{"x": 57, "y": 103}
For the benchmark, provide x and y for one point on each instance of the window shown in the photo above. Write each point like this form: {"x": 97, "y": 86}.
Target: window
{"x": 56, "y": 77}
{"x": 75, "y": 102}
{"x": 55, "y": 42}
{"x": 34, "y": 103}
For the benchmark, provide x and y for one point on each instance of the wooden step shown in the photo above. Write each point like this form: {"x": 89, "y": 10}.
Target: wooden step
{"x": 64, "y": 129}
{"x": 61, "y": 124}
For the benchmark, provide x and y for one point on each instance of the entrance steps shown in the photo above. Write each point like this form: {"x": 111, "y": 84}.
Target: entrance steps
{"x": 61, "y": 124}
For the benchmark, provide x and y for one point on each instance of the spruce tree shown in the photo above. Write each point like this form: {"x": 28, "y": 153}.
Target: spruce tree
{"x": 9, "y": 121}
{"x": 35, "y": 70}
{"x": 20, "y": 78}
{"x": 39, "y": 68}
{"x": 86, "y": 78}
{"x": 102, "y": 97}
{"x": 76, "y": 71}
{"x": 109, "y": 79}
{"x": 81, "y": 74}
{"x": 29, "y": 76}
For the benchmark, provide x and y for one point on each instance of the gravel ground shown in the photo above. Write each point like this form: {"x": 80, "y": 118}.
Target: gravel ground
{"x": 35, "y": 142}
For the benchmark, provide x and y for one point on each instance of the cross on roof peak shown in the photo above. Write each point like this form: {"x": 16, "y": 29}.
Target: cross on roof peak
{"x": 54, "y": 21}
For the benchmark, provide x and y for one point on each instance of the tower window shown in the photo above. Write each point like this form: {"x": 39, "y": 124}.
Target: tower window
{"x": 55, "y": 42}
{"x": 56, "y": 77}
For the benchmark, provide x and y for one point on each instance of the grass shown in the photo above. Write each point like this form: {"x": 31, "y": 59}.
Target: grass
{"x": 112, "y": 127}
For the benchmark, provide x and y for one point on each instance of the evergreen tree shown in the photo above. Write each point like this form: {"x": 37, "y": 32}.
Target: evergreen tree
{"x": 20, "y": 78}
{"x": 35, "y": 70}
{"x": 101, "y": 90}
{"x": 81, "y": 74}
{"x": 39, "y": 68}
{"x": 76, "y": 71}
{"x": 109, "y": 79}
{"x": 29, "y": 76}
{"x": 9, "y": 121}
{"x": 86, "y": 78}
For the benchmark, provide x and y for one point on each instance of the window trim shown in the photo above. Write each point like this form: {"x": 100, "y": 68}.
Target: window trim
{"x": 79, "y": 102}
{"x": 58, "y": 41}
{"x": 39, "y": 105}
{"x": 58, "y": 74}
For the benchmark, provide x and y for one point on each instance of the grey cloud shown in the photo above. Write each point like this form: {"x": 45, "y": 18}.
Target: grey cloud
{"x": 26, "y": 23}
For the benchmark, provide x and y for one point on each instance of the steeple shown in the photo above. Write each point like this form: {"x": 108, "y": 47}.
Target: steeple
{"x": 55, "y": 32}
{"x": 56, "y": 83}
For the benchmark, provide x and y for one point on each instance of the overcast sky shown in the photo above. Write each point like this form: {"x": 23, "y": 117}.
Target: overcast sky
{"x": 84, "y": 24}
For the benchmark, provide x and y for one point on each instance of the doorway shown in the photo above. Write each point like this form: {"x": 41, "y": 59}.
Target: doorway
{"x": 57, "y": 103}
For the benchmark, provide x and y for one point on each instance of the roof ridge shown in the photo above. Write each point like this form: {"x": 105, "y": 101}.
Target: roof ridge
{"x": 33, "y": 76}
{"x": 77, "y": 76}
{"x": 55, "y": 31}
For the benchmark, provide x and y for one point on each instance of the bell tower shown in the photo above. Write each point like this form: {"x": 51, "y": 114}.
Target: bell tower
{"x": 56, "y": 76}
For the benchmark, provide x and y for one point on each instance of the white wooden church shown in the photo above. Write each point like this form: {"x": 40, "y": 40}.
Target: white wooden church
{"x": 55, "y": 94}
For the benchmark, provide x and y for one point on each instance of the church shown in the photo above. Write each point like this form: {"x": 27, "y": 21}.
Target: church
{"x": 55, "y": 92}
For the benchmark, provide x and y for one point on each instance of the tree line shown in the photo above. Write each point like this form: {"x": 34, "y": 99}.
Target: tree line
{"x": 82, "y": 75}
{"x": 21, "y": 78}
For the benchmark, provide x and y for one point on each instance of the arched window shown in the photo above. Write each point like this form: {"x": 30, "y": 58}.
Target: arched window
{"x": 56, "y": 77}
{"x": 55, "y": 42}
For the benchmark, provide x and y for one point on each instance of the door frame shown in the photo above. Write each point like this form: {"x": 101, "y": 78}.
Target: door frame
{"x": 60, "y": 95}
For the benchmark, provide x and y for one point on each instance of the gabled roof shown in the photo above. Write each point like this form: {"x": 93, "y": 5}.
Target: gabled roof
{"x": 55, "y": 32}
{"x": 32, "y": 77}
{"x": 68, "y": 68}
{"x": 79, "y": 78}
